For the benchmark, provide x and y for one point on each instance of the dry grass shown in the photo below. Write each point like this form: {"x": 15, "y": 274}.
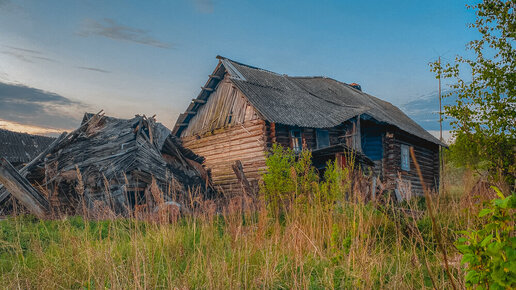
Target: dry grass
{"x": 351, "y": 245}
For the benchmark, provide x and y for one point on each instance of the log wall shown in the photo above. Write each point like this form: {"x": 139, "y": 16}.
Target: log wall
{"x": 246, "y": 142}
{"x": 427, "y": 155}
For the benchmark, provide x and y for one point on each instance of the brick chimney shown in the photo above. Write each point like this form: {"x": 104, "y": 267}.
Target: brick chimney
{"x": 356, "y": 86}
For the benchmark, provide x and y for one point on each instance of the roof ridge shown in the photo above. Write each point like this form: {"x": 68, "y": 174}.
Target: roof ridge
{"x": 247, "y": 65}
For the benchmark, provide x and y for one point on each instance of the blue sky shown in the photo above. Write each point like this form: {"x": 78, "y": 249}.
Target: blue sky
{"x": 151, "y": 57}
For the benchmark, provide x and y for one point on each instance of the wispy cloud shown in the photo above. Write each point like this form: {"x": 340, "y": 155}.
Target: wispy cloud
{"x": 94, "y": 69}
{"x": 111, "y": 29}
{"x": 204, "y": 6}
{"x": 26, "y": 55}
{"x": 23, "y": 49}
{"x": 32, "y": 106}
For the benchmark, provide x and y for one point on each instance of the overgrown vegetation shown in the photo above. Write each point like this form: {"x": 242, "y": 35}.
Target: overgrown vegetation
{"x": 291, "y": 182}
{"x": 313, "y": 236}
{"x": 490, "y": 252}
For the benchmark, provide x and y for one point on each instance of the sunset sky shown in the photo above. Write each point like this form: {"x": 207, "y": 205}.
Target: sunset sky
{"x": 59, "y": 59}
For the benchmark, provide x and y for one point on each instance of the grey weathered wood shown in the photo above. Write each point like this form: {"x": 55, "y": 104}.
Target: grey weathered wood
{"x": 239, "y": 172}
{"x": 199, "y": 101}
{"x": 103, "y": 159}
{"x": 4, "y": 193}
{"x": 22, "y": 190}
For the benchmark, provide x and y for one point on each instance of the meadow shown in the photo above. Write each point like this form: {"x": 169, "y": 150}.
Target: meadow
{"x": 345, "y": 242}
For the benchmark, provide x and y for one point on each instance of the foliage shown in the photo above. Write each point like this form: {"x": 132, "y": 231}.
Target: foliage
{"x": 465, "y": 152}
{"x": 277, "y": 184}
{"x": 289, "y": 179}
{"x": 334, "y": 184}
{"x": 485, "y": 111}
{"x": 490, "y": 252}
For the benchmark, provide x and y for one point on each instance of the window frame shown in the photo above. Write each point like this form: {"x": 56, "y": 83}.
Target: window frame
{"x": 405, "y": 157}
{"x": 299, "y": 148}
{"x": 317, "y": 139}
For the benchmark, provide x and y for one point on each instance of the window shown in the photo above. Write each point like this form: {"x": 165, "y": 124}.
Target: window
{"x": 297, "y": 141}
{"x": 323, "y": 138}
{"x": 405, "y": 159}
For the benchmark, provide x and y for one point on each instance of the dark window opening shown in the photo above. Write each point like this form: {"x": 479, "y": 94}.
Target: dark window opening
{"x": 371, "y": 141}
{"x": 322, "y": 138}
{"x": 136, "y": 197}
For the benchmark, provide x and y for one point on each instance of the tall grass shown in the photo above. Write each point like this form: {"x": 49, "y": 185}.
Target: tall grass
{"x": 351, "y": 244}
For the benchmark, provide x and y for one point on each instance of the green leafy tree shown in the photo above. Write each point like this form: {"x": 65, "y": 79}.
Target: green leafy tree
{"x": 485, "y": 111}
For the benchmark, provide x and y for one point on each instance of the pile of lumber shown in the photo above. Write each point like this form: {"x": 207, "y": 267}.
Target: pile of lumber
{"x": 108, "y": 161}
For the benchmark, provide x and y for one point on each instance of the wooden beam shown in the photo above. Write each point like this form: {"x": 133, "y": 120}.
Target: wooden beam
{"x": 199, "y": 101}
{"x": 207, "y": 89}
{"x": 190, "y": 112}
{"x": 22, "y": 190}
{"x": 215, "y": 77}
{"x": 239, "y": 172}
{"x": 182, "y": 125}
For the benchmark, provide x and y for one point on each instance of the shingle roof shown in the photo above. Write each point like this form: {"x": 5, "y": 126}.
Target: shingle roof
{"x": 21, "y": 147}
{"x": 316, "y": 102}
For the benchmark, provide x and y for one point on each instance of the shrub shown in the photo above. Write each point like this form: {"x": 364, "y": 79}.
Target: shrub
{"x": 288, "y": 179}
{"x": 490, "y": 253}
{"x": 292, "y": 180}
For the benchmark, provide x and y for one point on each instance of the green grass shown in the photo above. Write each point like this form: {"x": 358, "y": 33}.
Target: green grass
{"x": 312, "y": 236}
{"x": 352, "y": 245}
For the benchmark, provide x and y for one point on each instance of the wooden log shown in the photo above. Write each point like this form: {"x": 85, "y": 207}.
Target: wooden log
{"x": 199, "y": 101}
{"x": 242, "y": 179}
{"x": 22, "y": 190}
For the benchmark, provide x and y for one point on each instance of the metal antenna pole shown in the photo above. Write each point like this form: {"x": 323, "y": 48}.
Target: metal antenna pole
{"x": 441, "y": 129}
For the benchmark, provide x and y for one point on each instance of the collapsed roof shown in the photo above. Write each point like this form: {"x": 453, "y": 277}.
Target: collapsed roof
{"x": 314, "y": 102}
{"x": 116, "y": 160}
{"x": 20, "y": 148}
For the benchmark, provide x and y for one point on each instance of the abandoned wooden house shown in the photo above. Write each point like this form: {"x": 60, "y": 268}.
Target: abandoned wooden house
{"x": 20, "y": 148}
{"x": 106, "y": 162}
{"x": 242, "y": 110}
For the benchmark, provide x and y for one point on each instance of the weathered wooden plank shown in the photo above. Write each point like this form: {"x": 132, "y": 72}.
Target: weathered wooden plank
{"x": 239, "y": 172}
{"x": 22, "y": 190}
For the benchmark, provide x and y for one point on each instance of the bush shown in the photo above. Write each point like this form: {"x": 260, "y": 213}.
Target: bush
{"x": 490, "y": 253}
{"x": 292, "y": 180}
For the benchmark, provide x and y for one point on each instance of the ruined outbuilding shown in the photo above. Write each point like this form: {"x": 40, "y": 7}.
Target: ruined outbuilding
{"x": 108, "y": 162}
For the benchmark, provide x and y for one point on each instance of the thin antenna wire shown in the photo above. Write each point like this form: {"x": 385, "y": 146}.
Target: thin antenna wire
{"x": 440, "y": 107}
{"x": 441, "y": 128}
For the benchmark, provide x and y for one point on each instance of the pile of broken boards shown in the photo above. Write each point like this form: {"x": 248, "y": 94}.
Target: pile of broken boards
{"x": 107, "y": 162}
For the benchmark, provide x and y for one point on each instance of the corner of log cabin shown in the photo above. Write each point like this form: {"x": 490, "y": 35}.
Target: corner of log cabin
{"x": 427, "y": 156}
{"x": 226, "y": 129}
